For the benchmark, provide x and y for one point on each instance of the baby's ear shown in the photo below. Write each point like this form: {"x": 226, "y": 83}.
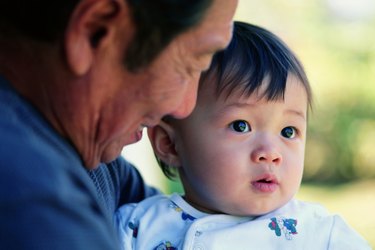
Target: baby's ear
{"x": 162, "y": 138}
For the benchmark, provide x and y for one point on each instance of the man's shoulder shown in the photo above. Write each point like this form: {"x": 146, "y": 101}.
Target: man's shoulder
{"x": 33, "y": 160}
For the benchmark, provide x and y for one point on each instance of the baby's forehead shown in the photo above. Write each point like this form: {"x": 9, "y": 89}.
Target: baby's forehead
{"x": 214, "y": 88}
{"x": 247, "y": 88}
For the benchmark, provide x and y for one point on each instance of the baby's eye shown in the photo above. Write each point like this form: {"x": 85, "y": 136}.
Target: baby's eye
{"x": 240, "y": 126}
{"x": 289, "y": 132}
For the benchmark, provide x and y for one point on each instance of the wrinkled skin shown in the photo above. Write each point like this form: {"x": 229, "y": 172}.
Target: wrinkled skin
{"x": 86, "y": 92}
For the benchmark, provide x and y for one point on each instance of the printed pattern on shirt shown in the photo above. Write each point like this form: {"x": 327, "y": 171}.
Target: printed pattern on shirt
{"x": 165, "y": 246}
{"x": 185, "y": 216}
{"x": 283, "y": 225}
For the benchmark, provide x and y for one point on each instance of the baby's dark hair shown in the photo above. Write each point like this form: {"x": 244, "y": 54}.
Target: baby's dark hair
{"x": 254, "y": 57}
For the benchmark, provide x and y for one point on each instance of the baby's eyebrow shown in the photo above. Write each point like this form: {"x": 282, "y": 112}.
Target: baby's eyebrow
{"x": 299, "y": 113}
{"x": 239, "y": 105}
{"x": 230, "y": 107}
{"x": 235, "y": 105}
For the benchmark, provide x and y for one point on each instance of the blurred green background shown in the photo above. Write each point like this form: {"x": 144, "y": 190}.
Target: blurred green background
{"x": 335, "y": 40}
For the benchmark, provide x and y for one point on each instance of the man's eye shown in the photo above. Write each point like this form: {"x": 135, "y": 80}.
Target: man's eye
{"x": 240, "y": 126}
{"x": 289, "y": 132}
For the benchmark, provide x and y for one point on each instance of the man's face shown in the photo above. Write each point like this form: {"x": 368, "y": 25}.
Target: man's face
{"x": 168, "y": 86}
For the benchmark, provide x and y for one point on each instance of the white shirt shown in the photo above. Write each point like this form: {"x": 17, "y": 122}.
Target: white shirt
{"x": 168, "y": 223}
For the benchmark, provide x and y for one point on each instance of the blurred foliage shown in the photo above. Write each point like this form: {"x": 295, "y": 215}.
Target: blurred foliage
{"x": 335, "y": 40}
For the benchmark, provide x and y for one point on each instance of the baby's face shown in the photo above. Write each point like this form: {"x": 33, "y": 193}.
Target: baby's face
{"x": 243, "y": 156}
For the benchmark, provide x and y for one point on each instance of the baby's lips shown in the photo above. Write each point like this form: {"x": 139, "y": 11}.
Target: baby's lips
{"x": 267, "y": 183}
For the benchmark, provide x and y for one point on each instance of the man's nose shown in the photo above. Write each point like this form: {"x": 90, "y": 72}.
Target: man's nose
{"x": 184, "y": 109}
{"x": 187, "y": 104}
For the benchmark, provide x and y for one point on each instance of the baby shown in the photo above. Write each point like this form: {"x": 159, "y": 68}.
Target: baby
{"x": 240, "y": 158}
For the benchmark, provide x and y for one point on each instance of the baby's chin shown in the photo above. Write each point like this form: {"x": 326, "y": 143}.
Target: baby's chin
{"x": 253, "y": 211}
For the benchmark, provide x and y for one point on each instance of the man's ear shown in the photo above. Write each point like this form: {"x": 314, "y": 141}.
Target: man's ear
{"x": 91, "y": 23}
{"x": 162, "y": 140}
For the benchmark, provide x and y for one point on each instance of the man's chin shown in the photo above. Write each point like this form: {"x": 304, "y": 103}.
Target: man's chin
{"x": 114, "y": 151}
{"x": 111, "y": 156}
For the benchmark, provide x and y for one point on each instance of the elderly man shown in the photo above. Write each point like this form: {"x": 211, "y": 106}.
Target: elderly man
{"x": 79, "y": 79}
